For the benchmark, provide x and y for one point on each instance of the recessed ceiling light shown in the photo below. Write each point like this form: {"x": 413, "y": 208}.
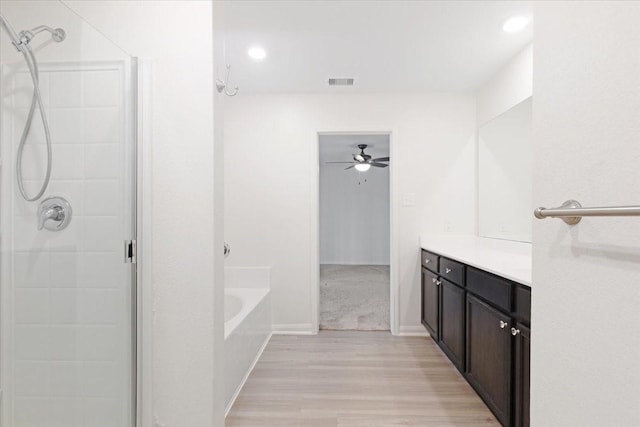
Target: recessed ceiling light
{"x": 515, "y": 24}
{"x": 257, "y": 53}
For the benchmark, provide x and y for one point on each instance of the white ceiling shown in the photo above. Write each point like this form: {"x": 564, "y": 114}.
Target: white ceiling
{"x": 342, "y": 147}
{"x": 387, "y": 46}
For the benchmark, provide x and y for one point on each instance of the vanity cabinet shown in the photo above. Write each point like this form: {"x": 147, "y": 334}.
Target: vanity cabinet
{"x": 430, "y": 302}
{"x": 482, "y": 323}
{"x": 452, "y": 317}
{"x": 489, "y": 356}
{"x": 522, "y": 336}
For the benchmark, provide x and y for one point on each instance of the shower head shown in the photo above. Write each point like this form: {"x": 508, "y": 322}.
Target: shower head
{"x": 57, "y": 34}
{"x": 24, "y": 37}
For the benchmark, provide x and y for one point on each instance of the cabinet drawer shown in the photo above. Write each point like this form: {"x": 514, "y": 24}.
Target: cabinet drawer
{"x": 430, "y": 261}
{"x": 491, "y": 288}
{"x": 452, "y": 271}
{"x": 522, "y": 304}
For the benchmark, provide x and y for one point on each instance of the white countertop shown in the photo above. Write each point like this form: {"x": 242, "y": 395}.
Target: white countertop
{"x": 511, "y": 260}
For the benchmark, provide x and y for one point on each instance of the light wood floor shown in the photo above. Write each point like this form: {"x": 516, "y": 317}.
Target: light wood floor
{"x": 345, "y": 378}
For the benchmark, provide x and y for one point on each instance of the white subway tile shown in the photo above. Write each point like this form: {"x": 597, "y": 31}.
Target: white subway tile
{"x": 103, "y": 234}
{"x": 103, "y": 125}
{"x": 65, "y": 342}
{"x": 101, "y": 343}
{"x": 32, "y": 342}
{"x": 102, "y": 88}
{"x": 101, "y": 379}
{"x": 65, "y": 379}
{"x": 103, "y": 161}
{"x": 31, "y": 378}
{"x": 103, "y": 198}
{"x": 31, "y": 411}
{"x": 31, "y": 306}
{"x": 31, "y": 269}
{"x": 65, "y": 88}
{"x": 65, "y": 269}
{"x": 67, "y": 125}
{"x": 100, "y": 306}
{"x": 102, "y": 269}
{"x": 65, "y": 412}
{"x": 68, "y": 161}
{"x": 26, "y": 235}
{"x": 64, "y": 306}
{"x": 102, "y": 413}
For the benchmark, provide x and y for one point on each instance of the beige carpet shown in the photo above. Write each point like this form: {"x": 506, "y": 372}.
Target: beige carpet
{"x": 354, "y": 297}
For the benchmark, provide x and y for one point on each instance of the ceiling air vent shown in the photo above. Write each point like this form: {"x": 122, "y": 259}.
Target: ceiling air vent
{"x": 340, "y": 82}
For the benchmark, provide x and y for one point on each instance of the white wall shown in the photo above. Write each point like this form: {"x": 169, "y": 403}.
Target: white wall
{"x": 354, "y": 216}
{"x": 271, "y": 184}
{"x": 186, "y": 238}
{"x": 586, "y": 131}
{"x": 507, "y": 88}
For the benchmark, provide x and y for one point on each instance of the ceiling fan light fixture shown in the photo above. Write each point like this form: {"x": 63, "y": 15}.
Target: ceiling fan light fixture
{"x": 363, "y": 167}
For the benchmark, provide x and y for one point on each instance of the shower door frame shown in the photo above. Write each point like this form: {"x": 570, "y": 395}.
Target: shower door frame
{"x": 137, "y": 121}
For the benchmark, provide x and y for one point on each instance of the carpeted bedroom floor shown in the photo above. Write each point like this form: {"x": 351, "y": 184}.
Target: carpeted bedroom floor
{"x": 354, "y": 297}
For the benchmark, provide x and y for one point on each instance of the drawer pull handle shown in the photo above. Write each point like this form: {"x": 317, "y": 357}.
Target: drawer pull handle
{"x": 503, "y": 324}
{"x": 438, "y": 283}
{"x": 515, "y": 331}
{"x": 446, "y": 270}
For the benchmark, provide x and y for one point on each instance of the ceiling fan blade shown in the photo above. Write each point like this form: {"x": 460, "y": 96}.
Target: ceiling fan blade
{"x": 381, "y": 159}
{"x": 378, "y": 165}
{"x": 349, "y": 167}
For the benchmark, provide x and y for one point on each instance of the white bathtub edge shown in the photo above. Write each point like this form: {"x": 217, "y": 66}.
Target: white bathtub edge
{"x": 246, "y": 376}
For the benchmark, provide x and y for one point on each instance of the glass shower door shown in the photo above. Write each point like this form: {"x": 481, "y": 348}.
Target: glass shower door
{"x": 67, "y": 294}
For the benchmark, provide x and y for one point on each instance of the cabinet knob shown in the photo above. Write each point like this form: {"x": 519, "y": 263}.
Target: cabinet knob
{"x": 503, "y": 324}
{"x": 427, "y": 260}
{"x": 433, "y": 279}
{"x": 515, "y": 331}
{"x": 438, "y": 283}
{"x": 447, "y": 270}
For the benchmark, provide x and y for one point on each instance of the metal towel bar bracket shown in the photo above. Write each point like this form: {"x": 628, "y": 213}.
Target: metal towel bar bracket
{"x": 572, "y": 212}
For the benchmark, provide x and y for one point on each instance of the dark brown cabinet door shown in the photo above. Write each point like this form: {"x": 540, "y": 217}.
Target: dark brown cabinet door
{"x": 452, "y": 322}
{"x": 522, "y": 374}
{"x": 430, "y": 302}
{"x": 489, "y": 354}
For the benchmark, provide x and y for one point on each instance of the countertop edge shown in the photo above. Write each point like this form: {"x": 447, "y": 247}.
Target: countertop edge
{"x": 457, "y": 256}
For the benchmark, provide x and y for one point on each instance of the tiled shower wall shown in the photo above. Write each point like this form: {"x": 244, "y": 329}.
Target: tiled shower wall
{"x": 66, "y": 294}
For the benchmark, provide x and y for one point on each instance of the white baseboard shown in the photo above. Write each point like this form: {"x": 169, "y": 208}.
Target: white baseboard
{"x": 413, "y": 331}
{"x": 246, "y": 376}
{"x": 293, "y": 329}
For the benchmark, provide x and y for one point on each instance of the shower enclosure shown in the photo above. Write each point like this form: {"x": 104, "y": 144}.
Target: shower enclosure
{"x": 67, "y": 271}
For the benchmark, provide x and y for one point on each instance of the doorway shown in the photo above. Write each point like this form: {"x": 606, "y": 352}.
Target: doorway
{"x": 354, "y": 232}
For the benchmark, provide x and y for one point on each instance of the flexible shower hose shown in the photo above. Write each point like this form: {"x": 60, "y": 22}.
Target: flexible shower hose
{"x": 30, "y": 59}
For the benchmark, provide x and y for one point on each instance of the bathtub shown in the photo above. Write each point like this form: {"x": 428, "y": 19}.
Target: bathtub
{"x": 247, "y": 326}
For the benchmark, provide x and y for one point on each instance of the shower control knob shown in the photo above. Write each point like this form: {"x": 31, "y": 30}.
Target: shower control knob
{"x": 54, "y": 214}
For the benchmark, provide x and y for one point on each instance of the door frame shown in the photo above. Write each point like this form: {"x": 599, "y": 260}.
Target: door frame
{"x": 394, "y": 297}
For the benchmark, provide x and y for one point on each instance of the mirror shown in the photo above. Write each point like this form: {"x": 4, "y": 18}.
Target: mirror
{"x": 504, "y": 175}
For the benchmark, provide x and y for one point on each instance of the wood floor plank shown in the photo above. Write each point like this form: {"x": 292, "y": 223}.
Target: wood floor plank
{"x": 356, "y": 379}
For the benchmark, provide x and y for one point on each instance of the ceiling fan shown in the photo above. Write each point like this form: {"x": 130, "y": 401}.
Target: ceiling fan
{"x": 363, "y": 162}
